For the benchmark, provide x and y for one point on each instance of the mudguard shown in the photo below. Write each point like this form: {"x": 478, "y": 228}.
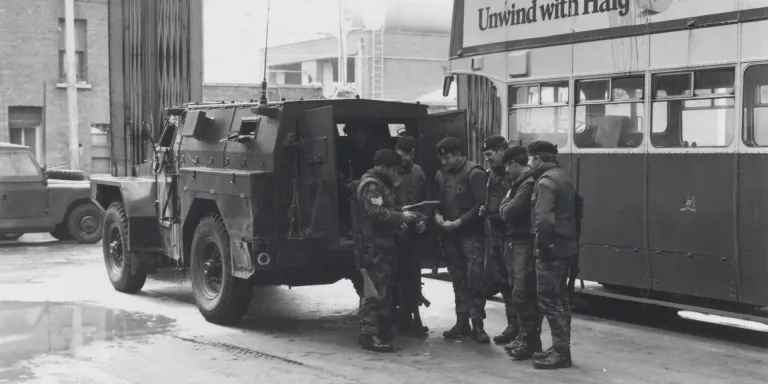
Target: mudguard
{"x": 138, "y": 196}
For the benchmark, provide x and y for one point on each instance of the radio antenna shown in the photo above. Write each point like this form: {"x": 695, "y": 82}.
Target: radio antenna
{"x": 264, "y": 100}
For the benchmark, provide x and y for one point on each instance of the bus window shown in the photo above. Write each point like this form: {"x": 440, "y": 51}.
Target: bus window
{"x": 609, "y": 113}
{"x": 539, "y": 112}
{"x": 693, "y": 109}
{"x": 755, "y": 129}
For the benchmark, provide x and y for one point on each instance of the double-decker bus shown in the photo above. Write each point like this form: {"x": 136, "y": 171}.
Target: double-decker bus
{"x": 660, "y": 111}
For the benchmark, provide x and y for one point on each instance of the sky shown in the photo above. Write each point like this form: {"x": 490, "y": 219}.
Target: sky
{"x": 234, "y": 30}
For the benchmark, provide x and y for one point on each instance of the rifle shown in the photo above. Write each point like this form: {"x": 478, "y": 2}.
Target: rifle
{"x": 369, "y": 290}
{"x": 439, "y": 254}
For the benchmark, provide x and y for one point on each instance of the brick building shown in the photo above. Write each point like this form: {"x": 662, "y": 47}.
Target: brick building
{"x": 31, "y": 54}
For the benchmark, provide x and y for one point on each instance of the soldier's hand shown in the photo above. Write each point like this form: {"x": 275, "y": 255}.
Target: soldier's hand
{"x": 451, "y": 225}
{"x": 421, "y": 226}
{"x": 439, "y": 219}
{"x": 482, "y": 210}
{"x": 410, "y": 217}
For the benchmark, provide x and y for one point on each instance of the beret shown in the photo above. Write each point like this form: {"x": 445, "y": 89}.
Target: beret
{"x": 387, "y": 158}
{"x": 541, "y": 147}
{"x": 449, "y": 145}
{"x": 407, "y": 142}
{"x": 514, "y": 152}
{"x": 494, "y": 142}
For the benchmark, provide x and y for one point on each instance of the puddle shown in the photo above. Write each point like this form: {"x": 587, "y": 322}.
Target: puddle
{"x": 31, "y": 329}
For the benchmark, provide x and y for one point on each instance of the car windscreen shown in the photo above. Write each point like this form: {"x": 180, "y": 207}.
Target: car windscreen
{"x": 17, "y": 164}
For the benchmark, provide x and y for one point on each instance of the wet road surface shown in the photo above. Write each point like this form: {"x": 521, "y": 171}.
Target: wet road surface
{"x": 61, "y": 322}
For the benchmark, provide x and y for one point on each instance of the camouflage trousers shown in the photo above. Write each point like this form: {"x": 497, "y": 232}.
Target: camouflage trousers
{"x": 464, "y": 255}
{"x": 500, "y": 254}
{"x": 409, "y": 271}
{"x": 380, "y": 259}
{"x": 524, "y": 288}
{"x": 552, "y": 289}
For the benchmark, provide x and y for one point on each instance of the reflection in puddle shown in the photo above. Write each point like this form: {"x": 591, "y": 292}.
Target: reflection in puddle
{"x": 31, "y": 329}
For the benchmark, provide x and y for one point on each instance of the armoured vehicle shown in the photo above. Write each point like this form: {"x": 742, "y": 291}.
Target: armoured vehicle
{"x": 247, "y": 193}
{"x": 35, "y": 200}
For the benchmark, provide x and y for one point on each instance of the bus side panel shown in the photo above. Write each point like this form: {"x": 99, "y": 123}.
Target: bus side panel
{"x": 753, "y": 229}
{"x": 691, "y": 224}
{"x": 613, "y": 230}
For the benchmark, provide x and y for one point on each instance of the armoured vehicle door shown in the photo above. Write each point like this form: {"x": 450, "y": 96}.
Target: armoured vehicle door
{"x": 23, "y": 198}
{"x": 317, "y": 179}
{"x": 165, "y": 167}
{"x": 432, "y": 129}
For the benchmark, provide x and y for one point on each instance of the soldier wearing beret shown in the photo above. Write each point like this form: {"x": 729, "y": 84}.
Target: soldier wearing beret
{"x": 461, "y": 186}
{"x": 516, "y": 211}
{"x": 498, "y": 253}
{"x": 380, "y": 224}
{"x": 554, "y": 229}
{"x": 411, "y": 189}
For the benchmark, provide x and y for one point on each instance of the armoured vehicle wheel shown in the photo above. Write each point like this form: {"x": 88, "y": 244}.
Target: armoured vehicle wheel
{"x": 10, "y": 236}
{"x": 117, "y": 260}
{"x": 65, "y": 174}
{"x": 84, "y": 223}
{"x": 61, "y": 232}
{"x": 222, "y": 298}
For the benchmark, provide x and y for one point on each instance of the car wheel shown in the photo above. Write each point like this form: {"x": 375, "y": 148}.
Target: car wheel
{"x": 221, "y": 298}
{"x": 84, "y": 223}
{"x": 116, "y": 259}
{"x": 10, "y": 236}
{"x": 61, "y": 233}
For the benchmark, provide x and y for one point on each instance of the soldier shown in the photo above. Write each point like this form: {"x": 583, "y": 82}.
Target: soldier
{"x": 461, "y": 184}
{"x": 499, "y": 182}
{"x": 516, "y": 211}
{"x": 380, "y": 224}
{"x": 555, "y": 245}
{"x": 411, "y": 189}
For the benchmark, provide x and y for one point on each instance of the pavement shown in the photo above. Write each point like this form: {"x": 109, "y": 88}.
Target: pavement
{"x": 61, "y": 322}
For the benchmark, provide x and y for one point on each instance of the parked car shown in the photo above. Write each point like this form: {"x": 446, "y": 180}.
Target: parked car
{"x": 36, "y": 200}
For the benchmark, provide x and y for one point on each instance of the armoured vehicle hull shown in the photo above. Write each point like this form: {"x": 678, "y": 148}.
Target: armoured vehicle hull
{"x": 244, "y": 194}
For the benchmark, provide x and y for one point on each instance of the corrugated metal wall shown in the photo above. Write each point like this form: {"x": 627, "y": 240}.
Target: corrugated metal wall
{"x": 156, "y": 60}
{"x": 479, "y": 97}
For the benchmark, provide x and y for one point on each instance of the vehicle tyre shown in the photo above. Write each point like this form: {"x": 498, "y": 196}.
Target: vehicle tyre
{"x": 84, "y": 223}
{"x": 66, "y": 174}
{"x": 10, "y": 236}
{"x": 116, "y": 258}
{"x": 221, "y": 298}
{"x": 61, "y": 233}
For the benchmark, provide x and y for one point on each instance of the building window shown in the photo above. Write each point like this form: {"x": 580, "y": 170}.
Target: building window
{"x": 81, "y": 45}
{"x": 693, "y": 109}
{"x": 350, "y": 70}
{"x": 24, "y": 126}
{"x": 609, "y": 113}
{"x": 756, "y": 106}
{"x": 539, "y": 112}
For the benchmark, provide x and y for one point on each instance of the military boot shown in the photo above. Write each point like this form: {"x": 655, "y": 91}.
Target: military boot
{"x": 374, "y": 343}
{"x": 542, "y": 355}
{"x": 509, "y": 334}
{"x": 559, "y": 357}
{"x": 514, "y": 343}
{"x": 478, "y": 333}
{"x": 385, "y": 330}
{"x": 526, "y": 348}
{"x": 461, "y": 328}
